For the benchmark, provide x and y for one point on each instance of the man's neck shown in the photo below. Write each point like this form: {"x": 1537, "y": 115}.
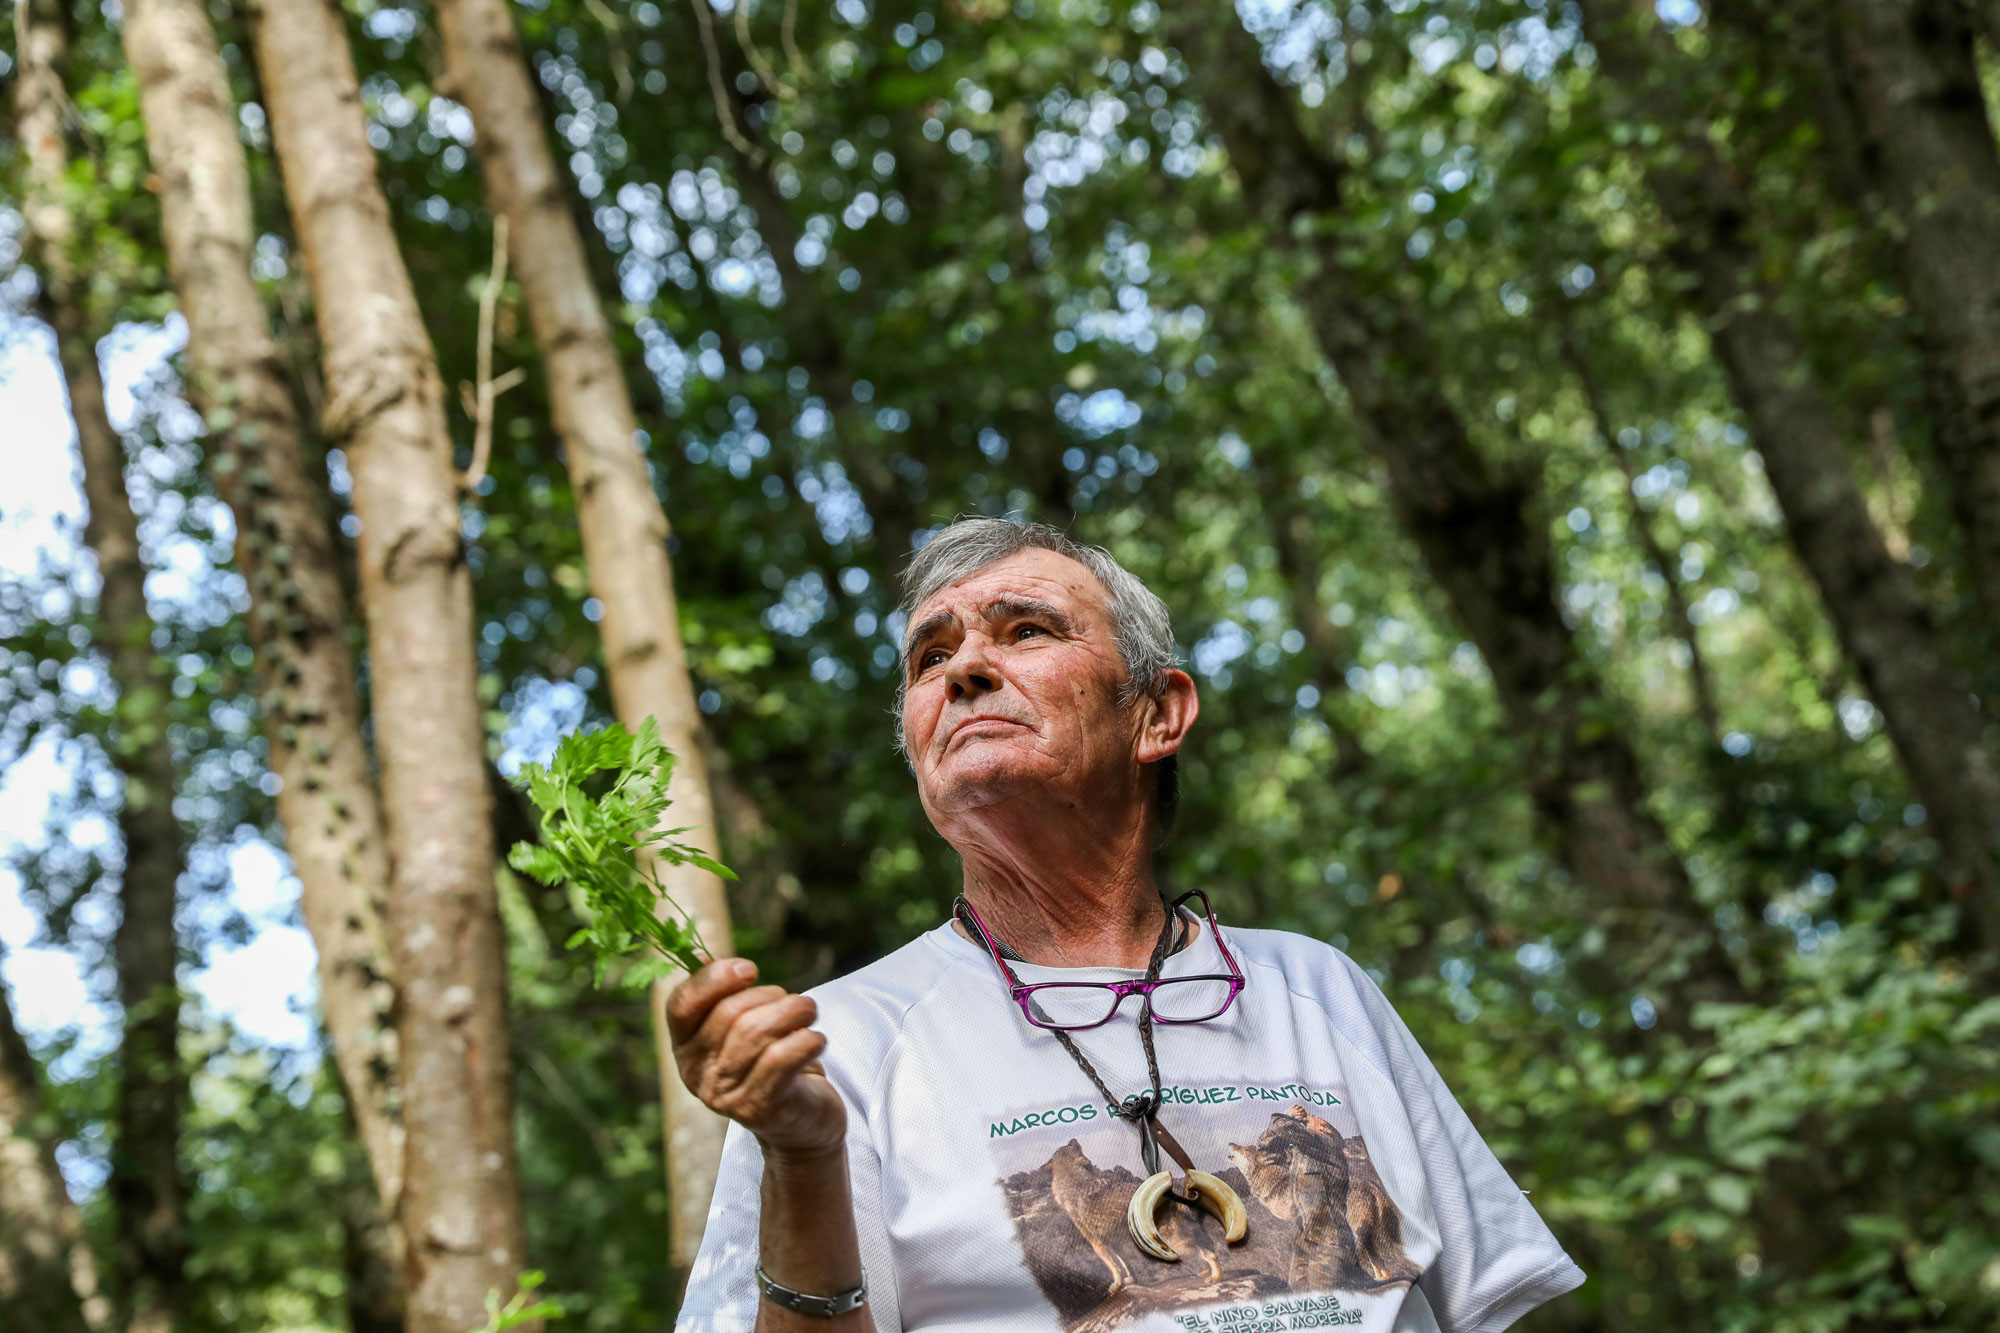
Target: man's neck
{"x": 1064, "y": 881}
{"x": 1107, "y": 915}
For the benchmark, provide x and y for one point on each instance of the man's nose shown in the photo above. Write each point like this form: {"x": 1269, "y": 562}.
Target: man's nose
{"x": 970, "y": 671}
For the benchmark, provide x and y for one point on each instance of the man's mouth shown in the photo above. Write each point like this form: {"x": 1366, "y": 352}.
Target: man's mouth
{"x": 983, "y": 725}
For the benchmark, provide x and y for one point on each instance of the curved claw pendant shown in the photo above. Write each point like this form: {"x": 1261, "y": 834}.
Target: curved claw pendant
{"x": 1215, "y": 1198}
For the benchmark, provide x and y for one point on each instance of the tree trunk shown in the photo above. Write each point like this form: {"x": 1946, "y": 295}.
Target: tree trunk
{"x": 816, "y": 345}
{"x": 460, "y": 1207}
{"x": 146, "y": 1188}
{"x": 814, "y": 337}
{"x": 1930, "y": 151}
{"x": 371, "y": 1245}
{"x": 1880, "y": 617}
{"x": 312, "y": 715}
{"x": 1649, "y": 544}
{"x": 624, "y": 528}
{"x": 48, "y": 1277}
{"x": 1475, "y": 527}
{"x": 1326, "y": 647}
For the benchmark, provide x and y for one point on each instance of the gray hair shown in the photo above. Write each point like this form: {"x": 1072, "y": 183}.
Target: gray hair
{"x": 1140, "y": 625}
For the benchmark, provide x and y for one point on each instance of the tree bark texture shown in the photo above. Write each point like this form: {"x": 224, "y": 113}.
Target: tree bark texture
{"x": 48, "y": 1277}
{"x": 623, "y": 526}
{"x": 1877, "y": 611}
{"x": 312, "y": 715}
{"x": 460, "y": 1207}
{"x": 1474, "y": 525}
{"x": 146, "y": 1187}
{"x": 1930, "y": 151}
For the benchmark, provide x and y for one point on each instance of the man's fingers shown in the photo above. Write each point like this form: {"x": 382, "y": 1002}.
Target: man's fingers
{"x": 779, "y": 1062}
{"x": 726, "y": 1013}
{"x": 750, "y": 1032}
{"x": 690, "y": 1001}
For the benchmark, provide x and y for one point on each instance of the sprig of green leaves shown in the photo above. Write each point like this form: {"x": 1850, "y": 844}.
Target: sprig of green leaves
{"x": 521, "y": 1307}
{"x": 595, "y": 833}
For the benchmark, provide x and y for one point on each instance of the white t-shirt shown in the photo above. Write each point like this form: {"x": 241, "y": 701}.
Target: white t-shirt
{"x": 990, "y": 1182}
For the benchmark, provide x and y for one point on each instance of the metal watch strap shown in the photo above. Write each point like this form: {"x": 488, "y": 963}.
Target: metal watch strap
{"x": 823, "y": 1307}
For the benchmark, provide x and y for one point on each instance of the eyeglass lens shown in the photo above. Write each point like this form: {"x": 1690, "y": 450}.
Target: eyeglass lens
{"x": 1177, "y": 1000}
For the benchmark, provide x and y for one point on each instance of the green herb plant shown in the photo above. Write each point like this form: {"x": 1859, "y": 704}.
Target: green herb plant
{"x": 521, "y": 1307}
{"x": 601, "y": 800}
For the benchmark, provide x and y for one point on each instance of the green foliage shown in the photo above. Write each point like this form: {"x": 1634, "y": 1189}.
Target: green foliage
{"x": 602, "y": 799}
{"x": 521, "y": 1307}
{"x": 1026, "y": 246}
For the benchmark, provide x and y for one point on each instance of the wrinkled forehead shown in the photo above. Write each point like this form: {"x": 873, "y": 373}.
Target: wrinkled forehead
{"x": 1034, "y": 575}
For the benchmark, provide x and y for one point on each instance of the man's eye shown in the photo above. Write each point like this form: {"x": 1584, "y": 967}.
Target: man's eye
{"x": 1025, "y": 630}
{"x": 930, "y": 659}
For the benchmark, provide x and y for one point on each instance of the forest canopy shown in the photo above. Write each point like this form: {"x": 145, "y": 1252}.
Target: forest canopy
{"x": 1566, "y": 435}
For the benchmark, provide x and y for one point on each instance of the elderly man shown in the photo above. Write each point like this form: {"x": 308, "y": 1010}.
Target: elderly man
{"x": 1075, "y": 1105}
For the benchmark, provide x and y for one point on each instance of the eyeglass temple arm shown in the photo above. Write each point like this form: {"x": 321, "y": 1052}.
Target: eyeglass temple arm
{"x": 986, "y": 938}
{"x": 1213, "y": 927}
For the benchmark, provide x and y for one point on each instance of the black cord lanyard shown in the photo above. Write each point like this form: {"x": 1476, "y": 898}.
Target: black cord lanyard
{"x": 1141, "y": 1108}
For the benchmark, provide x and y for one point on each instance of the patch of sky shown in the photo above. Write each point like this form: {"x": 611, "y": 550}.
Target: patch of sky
{"x": 390, "y": 24}
{"x": 1100, "y": 414}
{"x": 1537, "y": 957}
{"x": 1718, "y": 604}
{"x": 1434, "y": 52}
{"x": 666, "y": 360}
{"x": 1223, "y": 644}
{"x": 802, "y": 605}
{"x": 1858, "y": 717}
{"x": 733, "y": 277}
{"x": 837, "y": 506}
{"x": 865, "y": 205}
{"x": 1655, "y": 481}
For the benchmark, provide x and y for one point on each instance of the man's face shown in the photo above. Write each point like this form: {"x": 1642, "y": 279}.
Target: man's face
{"x": 1012, "y": 681}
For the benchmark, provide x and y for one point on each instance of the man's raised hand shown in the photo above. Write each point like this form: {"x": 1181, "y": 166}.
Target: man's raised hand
{"x": 748, "y": 1053}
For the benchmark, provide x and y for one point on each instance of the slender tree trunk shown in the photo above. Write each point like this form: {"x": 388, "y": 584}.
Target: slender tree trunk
{"x": 1475, "y": 527}
{"x": 148, "y": 1193}
{"x": 371, "y": 1246}
{"x": 1291, "y": 540}
{"x": 460, "y": 1207}
{"x": 1883, "y": 624}
{"x": 817, "y": 346}
{"x": 624, "y": 528}
{"x": 1930, "y": 151}
{"x": 312, "y": 714}
{"x": 815, "y": 337}
{"x": 48, "y": 1277}
{"x": 1649, "y": 543}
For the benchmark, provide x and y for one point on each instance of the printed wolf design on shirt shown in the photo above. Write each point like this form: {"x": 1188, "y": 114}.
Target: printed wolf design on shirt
{"x": 1093, "y": 1205}
{"x": 1346, "y": 1230}
{"x": 1321, "y": 1221}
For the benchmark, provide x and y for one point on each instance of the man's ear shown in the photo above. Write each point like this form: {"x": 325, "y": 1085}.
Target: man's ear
{"x": 1169, "y": 714}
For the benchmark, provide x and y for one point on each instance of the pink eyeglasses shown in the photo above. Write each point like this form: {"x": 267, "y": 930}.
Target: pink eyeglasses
{"x": 1072, "y": 1006}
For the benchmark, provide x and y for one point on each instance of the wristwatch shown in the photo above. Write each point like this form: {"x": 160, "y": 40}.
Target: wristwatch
{"x": 823, "y": 1307}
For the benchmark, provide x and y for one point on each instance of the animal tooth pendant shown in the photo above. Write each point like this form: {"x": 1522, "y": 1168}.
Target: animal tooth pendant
{"x": 1214, "y": 1196}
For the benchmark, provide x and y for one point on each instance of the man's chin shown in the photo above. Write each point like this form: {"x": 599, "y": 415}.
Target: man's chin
{"x": 970, "y": 780}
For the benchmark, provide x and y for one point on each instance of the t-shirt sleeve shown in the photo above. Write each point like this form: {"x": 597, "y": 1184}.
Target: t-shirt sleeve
{"x": 1498, "y": 1260}
{"x": 722, "y": 1291}
{"x": 722, "y": 1288}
